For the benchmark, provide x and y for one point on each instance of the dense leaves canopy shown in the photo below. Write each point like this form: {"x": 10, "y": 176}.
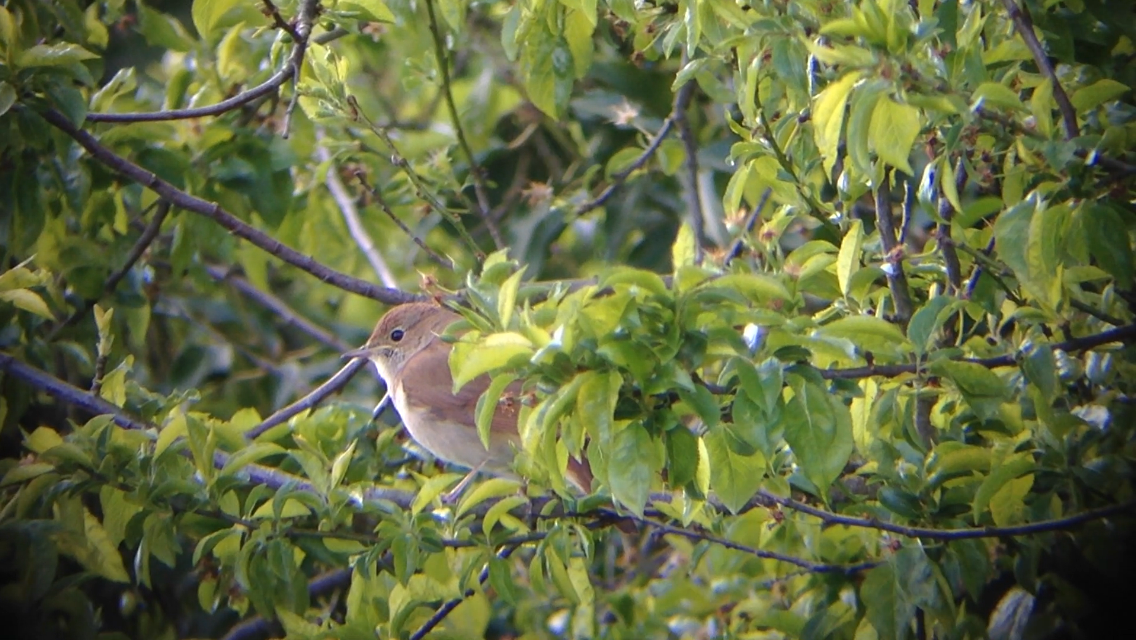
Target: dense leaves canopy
{"x": 836, "y": 297}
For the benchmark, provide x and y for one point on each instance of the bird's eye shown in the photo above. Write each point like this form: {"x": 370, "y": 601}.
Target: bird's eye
{"x": 396, "y": 335}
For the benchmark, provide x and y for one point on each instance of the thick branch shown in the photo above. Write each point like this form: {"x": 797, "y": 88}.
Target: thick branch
{"x": 893, "y": 253}
{"x": 227, "y": 220}
{"x": 277, "y": 479}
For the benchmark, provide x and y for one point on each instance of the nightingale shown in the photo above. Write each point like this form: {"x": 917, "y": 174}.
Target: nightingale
{"x": 412, "y": 359}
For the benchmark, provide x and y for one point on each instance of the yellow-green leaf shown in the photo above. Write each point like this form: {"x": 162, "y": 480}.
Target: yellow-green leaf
{"x": 893, "y": 131}
{"x": 828, "y": 117}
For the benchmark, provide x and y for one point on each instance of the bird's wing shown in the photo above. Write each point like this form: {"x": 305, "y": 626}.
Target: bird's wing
{"x": 430, "y": 369}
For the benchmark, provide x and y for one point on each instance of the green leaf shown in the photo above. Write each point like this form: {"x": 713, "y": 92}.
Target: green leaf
{"x": 507, "y": 298}
{"x": 848, "y": 260}
{"x": 925, "y": 322}
{"x": 210, "y": 16}
{"x": 978, "y": 385}
{"x": 1007, "y": 505}
{"x": 828, "y": 116}
{"x": 248, "y": 455}
{"x": 52, "y": 55}
{"x": 630, "y": 469}
{"x": 7, "y": 97}
{"x": 682, "y": 456}
{"x": 549, "y": 72}
{"x": 28, "y": 301}
{"x": 1046, "y": 241}
{"x": 1040, "y": 367}
{"x": 431, "y": 489}
{"x": 818, "y": 428}
{"x": 734, "y": 478}
{"x": 492, "y": 352}
{"x": 492, "y": 488}
{"x": 868, "y": 333}
{"x": 368, "y": 10}
{"x": 1110, "y": 242}
{"x": 595, "y": 403}
{"x": 998, "y": 95}
{"x": 1097, "y": 94}
{"x": 683, "y": 251}
{"x": 1000, "y": 475}
{"x": 340, "y": 464}
{"x": 893, "y": 131}
{"x": 892, "y": 591}
{"x": 758, "y": 287}
{"x": 487, "y": 405}
{"x": 1041, "y": 106}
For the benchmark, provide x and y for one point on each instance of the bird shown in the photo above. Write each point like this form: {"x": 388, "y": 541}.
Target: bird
{"x": 411, "y": 357}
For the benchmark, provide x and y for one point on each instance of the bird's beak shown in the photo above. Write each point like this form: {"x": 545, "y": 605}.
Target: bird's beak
{"x": 361, "y": 352}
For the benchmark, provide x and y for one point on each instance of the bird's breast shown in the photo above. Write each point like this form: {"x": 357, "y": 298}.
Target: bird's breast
{"x": 453, "y": 438}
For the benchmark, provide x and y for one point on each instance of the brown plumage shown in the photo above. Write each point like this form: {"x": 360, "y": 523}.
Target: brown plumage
{"x": 414, "y": 362}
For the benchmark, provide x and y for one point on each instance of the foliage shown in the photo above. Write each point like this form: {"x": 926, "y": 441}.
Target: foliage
{"x": 836, "y": 297}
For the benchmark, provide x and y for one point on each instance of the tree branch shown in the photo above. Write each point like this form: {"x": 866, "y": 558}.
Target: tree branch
{"x": 276, "y": 479}
{"x": 227, "y": 220}
{"x": 350, "y": 213}
{"x": 829, "y": 519}
{"x": 278, "y": 307}
{"x": 450, "y": 605}
{"x": 316, "y": 396}
{"x": 305, "y": 18}
{"x": 681, "y": 100}
{"x": 1120, "y": 334}
{"x": 136, "y": 251}
{"x": 1024, "y": 25}
{"x": 893, "y": 252}
{"x": 377, "y": 194}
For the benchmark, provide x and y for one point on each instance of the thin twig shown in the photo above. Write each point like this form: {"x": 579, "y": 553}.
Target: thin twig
{"x": 972, "y": 281}
{"x": 893, "y": 253}
{"x": 227, "y": 220}
{"x": 1126, "y": 333}
{"x": 350, "y": 213}
{"x": 689, "y": 177}
{"x": 271, "y": 11}
{"x": 1024, "y": 25}
{"x": 261, "y": 627}
{"x": 814, "y": 567}
{"x": 420, "y": 187}
{"x": 304, "y": 20}
{"x": 277, "y": 306}
{"x": 681, "y": 100}
{"x": 136, "y": 252}
{"x": 450, "y": 605}
{"x": 483, "y": 207}
{"x": 943, "y": 232}
{"x": 377, "y": 194}
{"x": 747, "y": 228}
{"x": 316, "y": 396}
{"x": 828, "y": 518}
{"x": 1118, "y": 168}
